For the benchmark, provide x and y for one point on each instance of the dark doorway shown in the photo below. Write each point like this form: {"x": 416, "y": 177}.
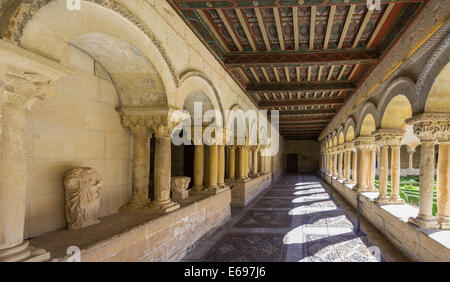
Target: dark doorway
{"x": 292, "y": 163}
{"x": 189, "y": 162}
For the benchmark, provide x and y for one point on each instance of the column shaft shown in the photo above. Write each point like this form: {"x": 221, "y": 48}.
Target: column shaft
{"x": 232, "y": 163}
{"x": 14, "y": 178}
{"x": 198, "y": 167}
{"x": 354, "y": 167}
{"x": 141, "y": 170}
{"x": 383, "y": 174}
{"x": 425, "y": 219}
{"x": 395, "y": 175}
{"x": 443, "y": 186}
{"x": 213, "y": 164}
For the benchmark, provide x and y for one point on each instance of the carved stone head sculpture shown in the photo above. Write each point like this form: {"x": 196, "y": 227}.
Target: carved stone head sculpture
{"x": 82, "y": 192}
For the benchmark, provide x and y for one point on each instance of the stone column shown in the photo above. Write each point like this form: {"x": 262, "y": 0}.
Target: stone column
{"x": 383, "y": 174}
{"x": 213, "y": 164}
{"x": 427, "y": 127}
{"x": 443, "y": 185}
{"x": 232, "y": 163}
{"x": 410, "y": 157}
{"x": 221, "y": 166}
{"x": 335, "y": 174}
{"x": 255, "y": 160}
{"x": 363, "y": 145}
{"x": 20, "y": 92}
{"x": 354, "y": 165}
{"x": 371, "y": 169}
{"x": 330, "y": 162}
{"x": 263, "y": 163}
{"x": 140, "y": 129}
{"x": 395, "y": 175}
{"x": 341, "y": 150}
{"x": 241, "y": 162}
{"x": 162, "y": 126}
{"x": 348, "y": 161}
{"x": 198, "y": 167}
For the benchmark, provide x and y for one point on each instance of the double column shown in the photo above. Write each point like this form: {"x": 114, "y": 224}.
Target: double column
{"x": 21, "y": 90}
{"x": 340, "y": 158}
{"x": 215, "y": 165}
{"x": 432, "y": 129}
{"x": 142, "y": 124}
{"x": 349, "y": 146}
{"x": 365, "y": 149}
{"x": 389, "y": 139}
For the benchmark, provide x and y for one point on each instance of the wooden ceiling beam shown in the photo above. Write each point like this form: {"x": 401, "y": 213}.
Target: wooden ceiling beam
{"x": 233, "y": 4}
{"x": 246, "y": 29}
{"x": 307, "y": 58}
{"x": 300, "y": 86}
{"x": 302, "y": 102}
{"x": 307, "y": 112}
{"x": 348, "y": 20}
{"x": 230, "y": 30}
{"x": 263, "y": 29}
{"x": 329, "y": 26}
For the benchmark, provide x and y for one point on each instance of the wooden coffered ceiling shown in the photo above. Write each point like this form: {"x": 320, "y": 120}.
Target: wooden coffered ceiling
{"x": 302, "y": 57}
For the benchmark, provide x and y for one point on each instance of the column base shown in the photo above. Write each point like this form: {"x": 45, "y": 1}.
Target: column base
{"x": 163, "y": 207}
{"x": 24, "y": 253}
{"x": 197, "y": 188}
{"x": 425, "y": 223}
{"x": 217, "y": 190}
{"x": 396, "y": 201}
{"x": 341, "y": 179}
{"x": 444, "y": 221}
{"x": 363, "y": 189}
{"x": 382, "y": 200}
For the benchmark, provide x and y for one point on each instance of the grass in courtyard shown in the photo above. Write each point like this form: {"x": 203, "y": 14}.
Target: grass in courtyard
{"x": 409, "y": 190}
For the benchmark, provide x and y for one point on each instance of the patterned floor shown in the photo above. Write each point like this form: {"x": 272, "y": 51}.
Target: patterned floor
{"x": 294, "y": 220}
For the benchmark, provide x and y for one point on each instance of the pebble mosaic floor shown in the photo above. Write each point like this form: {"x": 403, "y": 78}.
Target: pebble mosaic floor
{"x": 295, "y": 219}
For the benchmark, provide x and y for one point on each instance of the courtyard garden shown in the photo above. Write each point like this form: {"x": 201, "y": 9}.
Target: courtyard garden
{"x": 409, "y": 190}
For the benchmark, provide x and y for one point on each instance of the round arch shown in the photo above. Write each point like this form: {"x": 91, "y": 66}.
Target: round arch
{"x": 397, "y": 110}
{"x": 349, "y": 129}
{"x": 438, "y": 100}
{"x": 191, "y": 82}
{"x": 47, "y": 27}
{"x": 400, "y": 86}
{"x": 435, "y": 64}
{"x": 370, "y": 110}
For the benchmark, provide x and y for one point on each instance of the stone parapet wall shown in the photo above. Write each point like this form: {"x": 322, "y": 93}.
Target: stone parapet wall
{"x": 165, "y": 238}
{"x": 391, "y": 220}
{"x": 243, "y": 192}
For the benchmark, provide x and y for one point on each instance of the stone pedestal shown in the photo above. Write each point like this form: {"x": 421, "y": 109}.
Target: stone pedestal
{"x": 179, "y": 187}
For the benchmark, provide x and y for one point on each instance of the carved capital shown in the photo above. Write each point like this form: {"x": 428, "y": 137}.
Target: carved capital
{"x": 365, "y": 143}
{"x": 388, "y": 137}
{"x": 431, "y": 126}
{"x": 349, "y": 145}
{"x": 164, "y": 125}
{"x": 139, "y": 125}
{"x": 22, "y": 90}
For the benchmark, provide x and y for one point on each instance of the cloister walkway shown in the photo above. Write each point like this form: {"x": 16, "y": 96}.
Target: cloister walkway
{"x": 296, "y": 219}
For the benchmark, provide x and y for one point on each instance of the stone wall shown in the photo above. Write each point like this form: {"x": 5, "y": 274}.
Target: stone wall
{"x": 243, "y": 192}
{"x": 126, "y": 237}
{"x": 77, "y": 127}
{"x": 308, "y": 152}
{"x": 391, "y": 220}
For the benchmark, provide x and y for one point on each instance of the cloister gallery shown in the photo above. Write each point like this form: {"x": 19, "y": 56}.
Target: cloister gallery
{"x": 313, "y": 130}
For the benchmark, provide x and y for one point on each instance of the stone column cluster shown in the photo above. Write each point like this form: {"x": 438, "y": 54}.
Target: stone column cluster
{"x": 389, "y": 139}
{"x": 143, "y": 125}
{"x": 246, "y": 162}
{"x": 365, "y": 150}
{"x": 432, "y": 129}
{"x": 355, "y": 163}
